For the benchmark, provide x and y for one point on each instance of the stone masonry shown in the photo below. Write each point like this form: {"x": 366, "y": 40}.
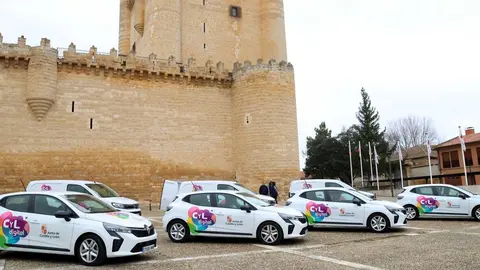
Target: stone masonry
{"x": 133, "y": 120}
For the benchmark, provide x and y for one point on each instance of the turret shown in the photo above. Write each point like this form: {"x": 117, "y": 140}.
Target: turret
{"x": 265, "y": 140}
{"x": 42, "y": 78}
{"x": 124, "y": 27}
{"x": 273, "y": 30}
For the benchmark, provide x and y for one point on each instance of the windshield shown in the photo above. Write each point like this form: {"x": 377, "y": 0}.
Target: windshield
{"x": 363, "y": 197}
{"x": 103, "y": 191}
{"x": 89, "y": 204}
{"x": 466, "y": 191}
{"x": 244, "y": 189}
{"x": 253, "y": 199}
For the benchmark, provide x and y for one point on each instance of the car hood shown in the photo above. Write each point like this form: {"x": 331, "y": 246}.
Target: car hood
{"x": 283, "y": 210}
{"x": 120, "y": 218}
{"x": 365, "y": 193}
{"x": 121, "y": 200}
{"x": 264, "y": 197}
{"x": 387, "y": 203}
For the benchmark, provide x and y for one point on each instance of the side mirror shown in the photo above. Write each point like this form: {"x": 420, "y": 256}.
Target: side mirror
{"x": 357, "y": 201}
{"x": 63, "y": 214}
{"x": 463, "y": 196}
{"x": 246, "y": 208}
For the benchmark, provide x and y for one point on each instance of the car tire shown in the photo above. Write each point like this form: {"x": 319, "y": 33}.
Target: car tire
{"x": 412, "y": 212}
{"x": 85, "y": 247}
{"x": 378, "y": 223}
{"x": 476, "y": 212}
{"x": 270, "y": 233}
{"x": 178, "y": 231}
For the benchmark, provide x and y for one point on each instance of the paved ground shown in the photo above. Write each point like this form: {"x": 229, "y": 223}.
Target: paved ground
{"x": 432, "y": 244}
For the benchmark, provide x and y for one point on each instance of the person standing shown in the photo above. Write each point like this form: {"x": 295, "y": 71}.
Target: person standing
{"x": 272, "y": 187}
{"x": 263, "y": 190}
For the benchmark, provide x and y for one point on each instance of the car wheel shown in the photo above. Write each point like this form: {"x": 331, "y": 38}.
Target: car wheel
{"x": 476, "y": 212}
{"x": 412, "y": 212}
{"x": 270, "y": 233}
{"x": 378, "y": 222}
{"x": 178, "y": 231}
{"x": 90, "y": 250}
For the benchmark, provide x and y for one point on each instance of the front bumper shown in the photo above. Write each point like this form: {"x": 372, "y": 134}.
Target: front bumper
{"x": 127, "y": 244}
{"x": 399, "y": 219}
{"x": 295, "y": 229}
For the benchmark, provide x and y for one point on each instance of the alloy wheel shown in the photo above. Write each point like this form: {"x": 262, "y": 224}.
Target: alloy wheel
{"x": 378, "y": 223}
{"x": 89, "y": 250}
{"x": 269, "y": 234}
{"x": 477, "y": 213}
{"x": 177, "y": 231}
{"x": 411, "y": 213}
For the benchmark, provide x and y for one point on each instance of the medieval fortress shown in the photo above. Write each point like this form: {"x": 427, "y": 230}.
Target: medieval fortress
{"x": 198, "y": 89}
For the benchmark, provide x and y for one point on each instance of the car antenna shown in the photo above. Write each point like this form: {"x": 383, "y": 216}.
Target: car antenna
{"x": 24, "y": 189}
{"x": 306, "y": 184}
{"x": 194, "y": 187}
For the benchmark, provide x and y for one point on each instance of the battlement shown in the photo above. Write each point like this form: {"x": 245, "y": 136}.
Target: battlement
{"x": 272, "y": 65}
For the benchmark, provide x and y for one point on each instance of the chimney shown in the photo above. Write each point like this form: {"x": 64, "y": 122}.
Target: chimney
{"x": 469, "y": 131}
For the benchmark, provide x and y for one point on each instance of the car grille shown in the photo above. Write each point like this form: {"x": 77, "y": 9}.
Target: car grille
{"x": 395, "y": 219}
{"x": 302, "y": 220}
{"x": 138, "y": 247}
{"x": 143, "y": 232}
{"x": 130, "y": 206}
{"x": 304, "y": 230}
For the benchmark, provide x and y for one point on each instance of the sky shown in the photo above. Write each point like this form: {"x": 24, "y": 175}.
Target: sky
{"x": 413, "y": 57}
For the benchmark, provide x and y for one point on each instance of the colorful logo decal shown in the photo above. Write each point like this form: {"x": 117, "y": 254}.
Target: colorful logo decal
{"x": 317, "y": 212}
{"x": 451, "y": 205}
{"x": 13, "y": 228}
{"x": 229, "y": 218}
{"x": 46, "y": 234}
{"x": 233, "y": 222}
{"x": 305, "y": 185}
{"x": 118, "y": 215}
{"x": 199, "y": 220}
{"x": 346, "y": 214}
{"x": 426, "y": 204}
{"x": 44, "y": 229}
{"x": 46, "y": 187}
{"x": 197, "y": 188}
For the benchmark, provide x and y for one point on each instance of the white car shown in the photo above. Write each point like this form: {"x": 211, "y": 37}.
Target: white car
{"x": 172, "y": 188}
{"x": 96, "y": 189}
{"x": 439, "y": 200}
{"x": 337, "y": 207}
{"x": 71, "y": 223}
{"x": 297, "y": 185}
{"x": 231, "y": 214}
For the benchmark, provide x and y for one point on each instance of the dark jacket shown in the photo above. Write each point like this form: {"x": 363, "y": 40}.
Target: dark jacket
{"x": 273, "y": 191}
{"x": 263, "y": 190}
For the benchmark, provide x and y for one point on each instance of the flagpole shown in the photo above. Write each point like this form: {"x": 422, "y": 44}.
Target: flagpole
{"x": 350, "y": 154}
{"x": 463, "y": 149}
{"x": 429, "y": 150}
{"x": 400, "y": 158}
{"x": 376, "y": 167}
{"x": 361, "y": 163}
{"x": 371, "y": 167}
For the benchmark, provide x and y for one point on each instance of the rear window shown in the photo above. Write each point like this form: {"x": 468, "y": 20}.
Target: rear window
{"x": 199, "y": 199}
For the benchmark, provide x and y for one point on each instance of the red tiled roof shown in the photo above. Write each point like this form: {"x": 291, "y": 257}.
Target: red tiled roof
{"x": 454, "y": 141}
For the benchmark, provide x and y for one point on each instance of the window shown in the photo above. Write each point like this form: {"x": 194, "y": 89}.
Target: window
{"x": 235, "y": 11}
{"x": 450, "y": 159}
{"x": 103, "y": 191}
{"x": 332, "y": 184}
{"x": 204, "y": 2}
{"x": 423, "y": 190}
{"x": 314, "y": 195}
{"x": 77, "y": 188}
{"x": 73, "y": 106}
{"x": 340, "y": 196}
{"x": 18, "y": 203}
{"x": 91, "y": 123}
{"x": 46, "y": 205}
{"x": 478, "y": 156}
{"x": 88, "y": 204}
{"x": 229, "y": 201}
{"x": 225, "y": 187}
{"x": 199, "y": 199}
{"x": 468, "y": 157}
{"x": 446, "y": 191}
{"x": 204, "y": 27}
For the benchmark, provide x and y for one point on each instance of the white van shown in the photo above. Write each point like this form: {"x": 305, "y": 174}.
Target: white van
{"x": 297, "y": 185}
{"x": 96, "y": 189}
{"x": 172, "y": 188}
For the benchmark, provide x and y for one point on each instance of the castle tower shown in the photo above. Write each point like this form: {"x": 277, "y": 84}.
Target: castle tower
{"x": 42, "y": 78}
{"x": 215, "y": 30}
{"x": 265, "y": 124}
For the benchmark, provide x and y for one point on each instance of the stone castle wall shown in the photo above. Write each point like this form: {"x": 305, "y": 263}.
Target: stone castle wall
{"x": 132, "y": 122}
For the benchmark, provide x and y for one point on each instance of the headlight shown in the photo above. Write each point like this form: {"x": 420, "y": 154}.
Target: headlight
{"x": 118, "y": 205}
{"x": 112, "y": 228}
{"x": 289, "y": 217}
{"x": 393, "y": 210}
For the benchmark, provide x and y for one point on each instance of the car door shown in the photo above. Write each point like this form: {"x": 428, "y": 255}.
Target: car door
{"x": 201, "y": 215}
{"x": 344, "y": 211}
{"x": 15, "y": 216}
{"x": 426, "y": 200}
{"x": 315, "y": 206}
{"x": 231, "y": 219}
{"x": 47, "y": 231}
{"x": 450, "y": 201}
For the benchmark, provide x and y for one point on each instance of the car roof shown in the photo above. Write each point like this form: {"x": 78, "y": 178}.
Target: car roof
{"x": 427, "y": 185}
{"x": 214, "y": 191}
{"x": 63, "y": 181}
{"x": 54, "y": 193}
{"x": 325, "y": 188}
{"x": 213, "y": 181}
{"x": 314, "y": 180}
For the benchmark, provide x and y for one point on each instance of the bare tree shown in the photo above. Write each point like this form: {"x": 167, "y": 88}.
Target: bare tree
{"x": 412, "y": 131}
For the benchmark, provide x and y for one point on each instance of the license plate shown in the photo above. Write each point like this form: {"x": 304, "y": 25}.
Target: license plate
{"x": 148, "y": 248}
